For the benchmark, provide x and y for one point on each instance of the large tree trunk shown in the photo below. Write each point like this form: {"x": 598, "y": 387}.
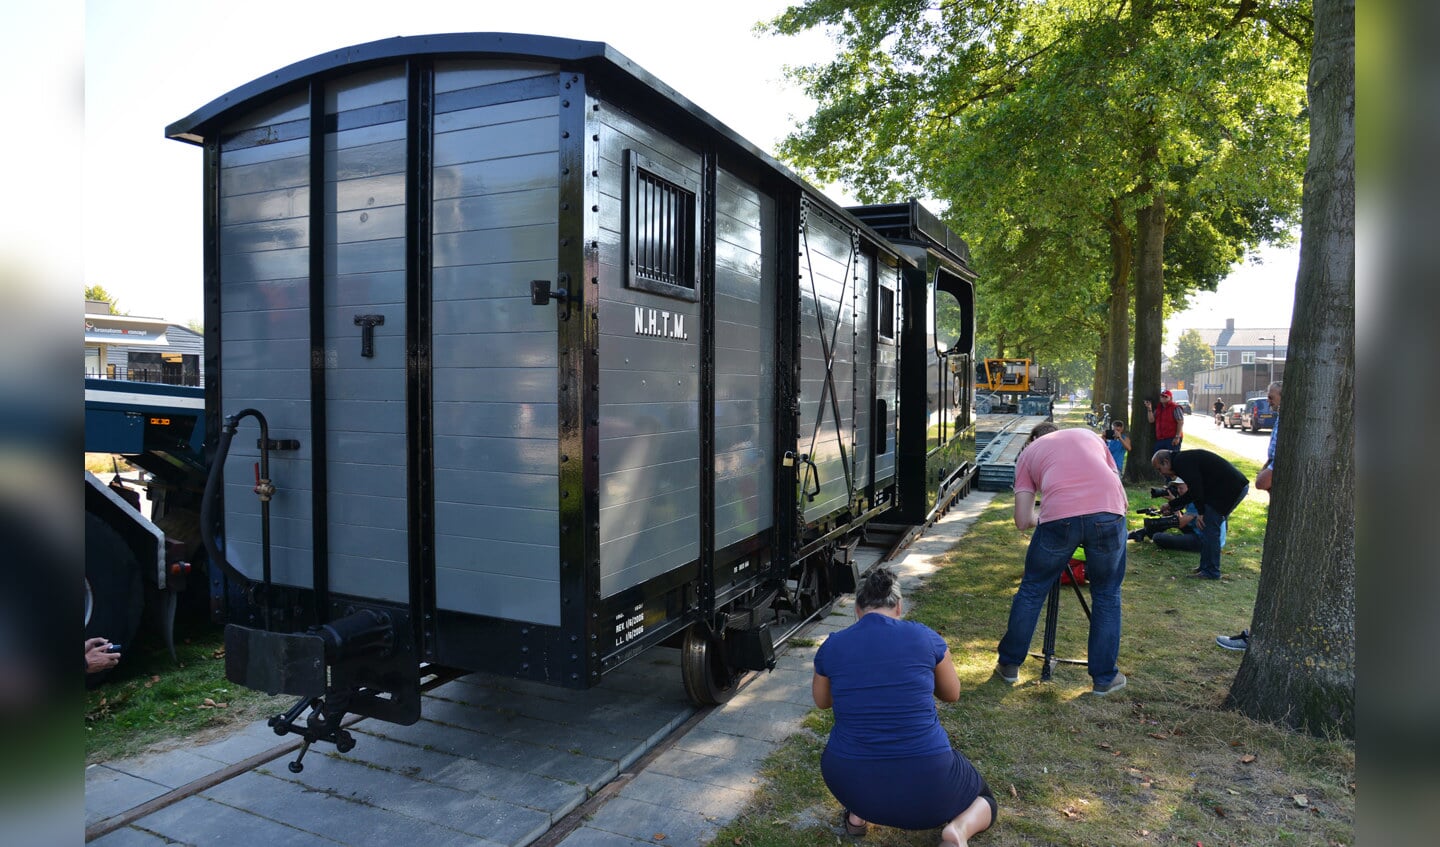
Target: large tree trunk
{"x": 1300, "y": 667}
{"x": 1097, "y": 387}
{"x": 1149, "y": 332}
{"x": 1117, "y": 334}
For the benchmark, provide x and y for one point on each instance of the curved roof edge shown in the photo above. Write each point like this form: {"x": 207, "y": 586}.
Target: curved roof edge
{"x": 596, "y": 55}
{"x": 194, "y": 127}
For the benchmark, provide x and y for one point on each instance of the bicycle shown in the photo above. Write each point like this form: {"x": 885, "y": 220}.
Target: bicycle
{"x": 1100, "y": 422}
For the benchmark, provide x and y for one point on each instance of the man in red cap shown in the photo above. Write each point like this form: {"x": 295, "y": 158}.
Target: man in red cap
{"x": 1169, "y": 420}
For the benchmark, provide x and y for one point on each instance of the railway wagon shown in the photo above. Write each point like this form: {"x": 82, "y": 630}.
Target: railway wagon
{"x": 519, "y": 362}
{"x": 936, "y": 344}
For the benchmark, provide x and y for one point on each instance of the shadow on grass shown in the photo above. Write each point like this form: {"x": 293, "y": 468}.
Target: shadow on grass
{"x": 1158, "y": 762}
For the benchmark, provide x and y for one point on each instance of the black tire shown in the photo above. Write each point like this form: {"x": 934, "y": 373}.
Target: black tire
{"x": 708, "y": 678}
{"x": 112, "y": 574}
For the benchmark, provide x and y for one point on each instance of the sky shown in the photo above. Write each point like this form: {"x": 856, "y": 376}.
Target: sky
{"x": 148, "y": 63}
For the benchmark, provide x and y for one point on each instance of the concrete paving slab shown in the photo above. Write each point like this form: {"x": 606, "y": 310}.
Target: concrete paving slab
{"x": 467, "y": 773}
{"x": 327, "y": 814}
{"x": 515, "y": 726}
{"x": 441, "y": 805}
{"x": 618, "y": 713}
{"x": 643, "y": 821}
{"x": 171, "y": 769}
{"x": 711, "y": 742}
{"x": 786, "y": 682}
{"x": 517, "y": 755}
{"x": 766, "y": 720}
{"x": 201, "y": 822}
{"x": 703, "y": 798}
{"x": 108, "y": 792}
{"x": 129, "y": 836}
{"x": 710, "y": 770}
{"x": 256, "y": 737}
{"x": 587, "y": 836}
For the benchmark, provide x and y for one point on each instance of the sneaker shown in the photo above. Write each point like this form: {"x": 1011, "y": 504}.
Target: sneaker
{"x": 1115, "y": 685}
{"x": 1138, "y": 535}
{"x": 1009, "y": 673}
{"x": 1238, "y": 643}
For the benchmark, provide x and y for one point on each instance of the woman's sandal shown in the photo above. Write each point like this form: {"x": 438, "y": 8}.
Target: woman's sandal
{"x": 856, "y": 829}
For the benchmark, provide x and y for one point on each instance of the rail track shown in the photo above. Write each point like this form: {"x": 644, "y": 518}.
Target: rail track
{"x": 469, "y": 719}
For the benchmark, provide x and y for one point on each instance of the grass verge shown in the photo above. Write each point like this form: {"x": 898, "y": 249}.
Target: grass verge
{"x": 151, "y": 702}
{"x": 1158, "y": 762}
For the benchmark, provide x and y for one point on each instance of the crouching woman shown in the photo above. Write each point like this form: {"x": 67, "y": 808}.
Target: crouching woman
{"x": 888, "y": 760}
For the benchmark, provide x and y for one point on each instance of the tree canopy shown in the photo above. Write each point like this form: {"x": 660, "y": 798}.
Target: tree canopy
{"x": 1192, "y": 355}
{"x": 98, "y": 292}
{"x": 1055, "y": 132}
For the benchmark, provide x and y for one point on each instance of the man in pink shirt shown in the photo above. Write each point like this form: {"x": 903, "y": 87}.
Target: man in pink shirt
{"x": 1082, "y": 504}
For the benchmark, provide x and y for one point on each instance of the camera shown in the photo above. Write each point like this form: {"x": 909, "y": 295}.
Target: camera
{"x": 1154, "y": 526}
{"x": 113, "y": 648}
{"x": 1108, "y": 435}
{"x": 1170, "y": 490}
{"x": 1160, "y": 524}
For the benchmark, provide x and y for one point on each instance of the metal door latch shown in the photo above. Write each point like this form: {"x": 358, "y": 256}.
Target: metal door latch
{"x": 540, "y": 294}
{"x": 367, "y": 324}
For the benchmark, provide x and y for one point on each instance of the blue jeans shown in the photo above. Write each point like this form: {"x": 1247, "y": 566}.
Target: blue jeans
{"x": 1210, "y": 537}
{"x": 1102, "y": 534}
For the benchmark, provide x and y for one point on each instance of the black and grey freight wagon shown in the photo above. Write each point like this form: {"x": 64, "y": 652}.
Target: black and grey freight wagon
{"x": 547, "y": 366}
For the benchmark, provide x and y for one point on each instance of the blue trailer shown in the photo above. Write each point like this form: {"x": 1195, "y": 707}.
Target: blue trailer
{"x": 134, "y": 561}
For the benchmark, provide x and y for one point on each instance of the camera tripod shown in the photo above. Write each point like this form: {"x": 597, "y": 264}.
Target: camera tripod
{"x": 1052, "y": 620}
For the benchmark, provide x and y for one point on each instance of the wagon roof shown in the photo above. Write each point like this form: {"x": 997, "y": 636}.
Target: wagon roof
{"x": 595, "y": 57}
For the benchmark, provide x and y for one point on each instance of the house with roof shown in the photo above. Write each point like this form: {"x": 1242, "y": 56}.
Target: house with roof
{"x": 1235, "y": 346}
{"x": 140, "y": 349}
{"x": 1246, "y": 360}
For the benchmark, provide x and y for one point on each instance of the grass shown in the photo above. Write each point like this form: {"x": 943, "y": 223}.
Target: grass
{"x": 1159, "y": 762}
{"x": 98, "y": 463}
{"x": 149, "y": 702}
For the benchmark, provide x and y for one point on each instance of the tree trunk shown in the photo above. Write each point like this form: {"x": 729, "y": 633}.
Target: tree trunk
{"x": 1097, "y": 387}
{"x": 1149, "y": 332}
{"x": 1300, "y": 666}
{"x": 1118, "y": 331}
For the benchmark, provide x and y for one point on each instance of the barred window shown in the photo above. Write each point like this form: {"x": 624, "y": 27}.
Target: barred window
{"x": 886, "y": 313}
{"x": 664, "y": 230}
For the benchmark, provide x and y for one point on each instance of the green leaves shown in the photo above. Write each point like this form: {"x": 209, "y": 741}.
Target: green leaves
{"x": 1045, "y": 126}
{"x": 1192, "y": 355}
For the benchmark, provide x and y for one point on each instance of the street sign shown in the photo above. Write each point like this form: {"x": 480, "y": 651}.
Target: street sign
{"x": 1214, "y": 386}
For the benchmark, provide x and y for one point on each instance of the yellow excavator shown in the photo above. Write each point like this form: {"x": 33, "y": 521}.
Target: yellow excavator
{"x": 1005, "y": 375}
{"x": 1012, "y": 386}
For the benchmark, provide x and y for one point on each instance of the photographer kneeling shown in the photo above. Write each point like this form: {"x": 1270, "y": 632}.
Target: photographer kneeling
{"x": 1215, "y": 486}
{"x": 1188, "y": 538}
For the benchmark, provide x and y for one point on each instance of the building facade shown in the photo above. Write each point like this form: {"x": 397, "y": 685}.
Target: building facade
{"x": 140, "y": 349}
{"x": 1246, "y": 360}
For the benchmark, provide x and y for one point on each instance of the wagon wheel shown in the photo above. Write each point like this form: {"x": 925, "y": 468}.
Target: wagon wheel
{"x": 810, "y": 592}
{"x": 709, "y": 679}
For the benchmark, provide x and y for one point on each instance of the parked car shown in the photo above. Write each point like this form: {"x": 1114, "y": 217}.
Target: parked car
{"x": 1181, "y": 398}
{"x": 1234, "y": 416}
{"x": 1257, "y": 415}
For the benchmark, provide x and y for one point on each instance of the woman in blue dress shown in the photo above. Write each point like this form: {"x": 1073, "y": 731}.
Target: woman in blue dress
{"x": 888, "y": 760}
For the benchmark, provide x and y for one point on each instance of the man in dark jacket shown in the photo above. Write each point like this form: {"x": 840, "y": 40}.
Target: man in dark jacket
{"x": 1215, "y": 486}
